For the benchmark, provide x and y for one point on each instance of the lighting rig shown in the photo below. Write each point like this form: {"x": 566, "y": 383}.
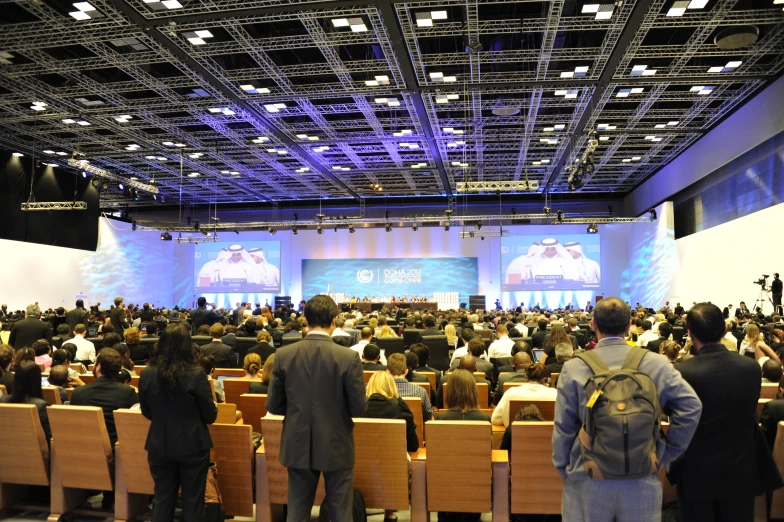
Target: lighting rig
{"x": 583, "y": 166}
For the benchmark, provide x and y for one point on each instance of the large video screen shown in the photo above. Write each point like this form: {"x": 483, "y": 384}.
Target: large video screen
{"x": 383, "y": 278}
{"x": 246, "y": 267}
{"x": 562, "y": 262}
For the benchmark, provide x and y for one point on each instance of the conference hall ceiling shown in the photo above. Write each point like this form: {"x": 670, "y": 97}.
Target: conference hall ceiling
{"x": 269, "y": 101}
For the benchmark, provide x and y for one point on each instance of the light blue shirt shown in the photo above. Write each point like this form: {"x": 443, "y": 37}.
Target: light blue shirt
{"x": 675, "y": 396}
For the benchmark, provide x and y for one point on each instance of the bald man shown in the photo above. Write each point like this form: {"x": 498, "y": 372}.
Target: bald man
{"x": 468, "y": 363}
{"x": 521, "y": 361}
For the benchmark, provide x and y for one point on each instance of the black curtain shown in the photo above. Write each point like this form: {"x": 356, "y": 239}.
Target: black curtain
{"x": 64, "y": 228}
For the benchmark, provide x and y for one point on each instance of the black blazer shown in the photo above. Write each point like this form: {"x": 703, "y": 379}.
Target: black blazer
{"x": 76, "y": 316}
{"x": 772, "y": 413}
{"x": 654, "y": 345}
{"x": 27, "y": 331}
{"x": 259, "y": 387}
{"x": 431, "y": 331}
{"x": 118, "y": 320}
{"x": 224, "y": 355}
{"x": 179, "y": 422}
{"x": 537, "y": 339}
{"x": 379, "y": 407}
{"x": 720, "y": 461}
{"x": 263, "y": 350}
{"x": 372, "y": 367}
{"x": 109, "y": 395}
{"x": 318, "y": 386}
{"x": 201, "y": 316}
{"x": 40, "y": 405}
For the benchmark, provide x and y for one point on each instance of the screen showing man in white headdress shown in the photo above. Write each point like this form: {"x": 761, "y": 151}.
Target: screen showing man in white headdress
{"x": 588, "y": 270}
{"x": 265, "y": 273}
{"x": 520, "y": 268}
{"x": 553, "y": 263}
{"x": 210, "y": 272}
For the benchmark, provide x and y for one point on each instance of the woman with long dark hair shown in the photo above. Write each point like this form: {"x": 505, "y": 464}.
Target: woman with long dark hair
{"x": 175, "y": 395}
{"x": 27, "y": 390}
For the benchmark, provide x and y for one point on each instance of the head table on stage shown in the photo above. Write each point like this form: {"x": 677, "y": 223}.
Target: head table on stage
{"x": 371, "y": 307}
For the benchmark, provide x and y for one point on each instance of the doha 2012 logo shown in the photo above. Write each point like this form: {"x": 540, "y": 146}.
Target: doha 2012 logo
{"x": 364, "y": 276}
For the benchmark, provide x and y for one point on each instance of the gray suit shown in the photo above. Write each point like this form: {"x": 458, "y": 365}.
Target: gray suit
{"x": 318, "y": 385}
{"x": 503, "y": 378}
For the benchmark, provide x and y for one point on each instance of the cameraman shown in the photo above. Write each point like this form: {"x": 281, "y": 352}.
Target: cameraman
{"x": 775, "y": 289}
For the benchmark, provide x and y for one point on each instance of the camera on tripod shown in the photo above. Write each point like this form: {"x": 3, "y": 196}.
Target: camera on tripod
{"x": 762, "y": 281}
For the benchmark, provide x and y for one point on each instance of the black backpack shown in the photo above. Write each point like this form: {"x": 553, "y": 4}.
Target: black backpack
{"x": 618, "y": 440}
{"x": 359, "y": 514}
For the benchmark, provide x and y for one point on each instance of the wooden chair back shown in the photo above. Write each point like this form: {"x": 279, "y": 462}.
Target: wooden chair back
{"x": 233, "y": 452}
{"x": 481, "y": 388}
{"x": 424, "y": 385}
{"x": 233, "y": 388}
{"x": 253, "y": 407}
{"x": 227, "y": 413}
{"x": 132, "y": 428}
{"x": 415, "y": 405}
{"x": 229, "y": 372}
{"x": 212, "y": 389}
{"x": 777, "y": 506}
{"x": 431, "y": 378}
{"x": 439, "y": 347}
{"x": 463, "y": 484}
{"x": 87, "y": 378}
{"x": 554, "y": 380}
{"x": 546, "y": 407}
{"x": 73, "y": 429}
{"x": 367, "y": 375}
{"x": 69, "y": 392}
{"x": 24, "y": 451}
{"x": 769, "y": 390}
{"x": 512, "y": 384}
{"x": 536, "y": 487}
{"x": 485, "y": 333}
{"x": 51, "y": 395}
{"x": 138, "y": 368}
{"x": 90, "y": 367}
{"x": 135, "y": 381}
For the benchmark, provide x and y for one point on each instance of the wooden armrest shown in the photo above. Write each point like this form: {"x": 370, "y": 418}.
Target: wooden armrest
{"x": 420, "y": 454}
{"x": 261, "y": 450}
{"x": 498, "y": 428}
{"x": 500, "y": 456}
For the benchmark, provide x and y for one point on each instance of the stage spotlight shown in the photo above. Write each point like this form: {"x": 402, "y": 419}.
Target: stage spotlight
{"x": 559, "y": 216}
{"x": 319, "y": 231}
{"x": 294, "y": 230}
{"x": 196, "y": 225}
{"x": 351, "y": 229}
{"x": 121, "y": 186}
{"x": 546, "y": 211}
{"x": 593, "y": 229}
{"x": 653, "y": 214}
{"x": 446, "y": 227}
{"x": 165, "y": 236}
{"x": 84, "y": 174}
{"x": 133, "y": 226}
{"x": 388, "y": 228}
{"x": 271, "y": 231}
{"x": 479, "y": 226}
{"x": 104, "y": 185}
{"x": 95, "y": 182}
{"x": 415, "y": 227}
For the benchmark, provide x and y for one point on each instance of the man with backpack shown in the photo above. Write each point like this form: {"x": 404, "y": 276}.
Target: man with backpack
{"x": 606, "y": 441}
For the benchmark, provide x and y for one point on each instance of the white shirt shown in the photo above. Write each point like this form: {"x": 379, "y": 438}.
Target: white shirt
{"x": 646, "y": 337}
{"x": 523, "y": 329}
{"x": 463, "y": 350}
{"x": 360, "y": 346}
{"x": 337, "y": 332}
{"x": 85, "y": 350}
{"x": 501, "y": 348}
{"x": 527, "y": 391}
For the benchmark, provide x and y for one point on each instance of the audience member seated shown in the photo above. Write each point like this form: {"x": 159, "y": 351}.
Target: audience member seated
{"x": 224, "y": 355}
{"x": 293, "y": 330}
{"x": 208, "y": 365}
{"x": 563, "y": 352}
{"x": 42, "y": 353}
{"x": 423, "y": 355}
{"x": 384, "y": 402}
{"x": 463, "y": 399}
{"x": 451, "y": 336}
{"x": 22, "y": 355}
{"x": 125, "y": 354}
{"x": 27, "y": 390}
{"x": 365, "y": 335}
{"x": 501, "y": 347}
{"x": 529, "y": 412}
{"x": 412, "y": 363}
{"x": 266, "y": 375}
{"x": 672, "y": 351}
{"x": 468, "y": 363}
{"x": 63, "y": 334}
{"x": 772, "y": 414}
{"x": 230, "y": 336}
{"x": 370, "y": 357}
{"x": 264, "y": 347}
{"x": 252, "y": 365}
{"x": 124, "y": 377}
{"x": 535, "y": 389}
{"x": 537, "y": 339}
{"x": 476, "y": 347}
{"x": 771, "y": 371}
{"x": 556, "y": 336}
{"x": 205, "y": 330}
{"x": 138, "y": 353}
{"x": 6, "y": 358}
{"x": 151, "y": 330}
{"x": 385, "y": 331}
{"x": 85, "y": 350}
{"x": 396, "y": 366}
{"x": 110, "y": 339}
{"x": 430, "y": 327}
{"x": 58, "y": 376}
{"x": 664, "y": 331}
{"x": 521, "y": 362}
{"x": 751, "y": 341}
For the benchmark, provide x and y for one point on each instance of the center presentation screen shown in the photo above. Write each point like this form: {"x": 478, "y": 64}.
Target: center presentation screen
{"x": 562, "y": 262}
{"x": 246, "y": 267}
{"x": 383, "y": 278}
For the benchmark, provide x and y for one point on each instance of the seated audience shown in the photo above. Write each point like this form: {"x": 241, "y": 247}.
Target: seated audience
{"x": 27, "y": 390}
{"x": 125, "y": 354}
{"x": 266, "y": 375}
{"x": 58, "y": 377}
{"x": 451, "y": 336}
{"x": 468, "y": 363}
{"x": 138, "y": 353}
{"x": 521, "y": 361}
{"x": 527, "y": 413}
{"x": 252, "y": 365}
{"x": 264, "y": 347}
{"x": 535, "y": 389}
{"x": 224, "y": 355}
{"x": 563, "y": 353}
{"x": 63, "y": 334}
{"x": 22, "y": 355}
{"x": 208, "y": 365}
{"x": 85, "y": 350}
{"x": 772, "y": 414}
{"x": 6, "y": 358}
{"x": 412, "y": 363}
{"x": 671, "y": 350}
{"x": 370, "y": 357}
{"x": 42, "y": 353}
{"x": 396, "y": 367}
{"x": 423, "y": 355}
{"x": 771, "y": 371}
{"x": 205, "y": 330}
{"x": 463, "y": 399}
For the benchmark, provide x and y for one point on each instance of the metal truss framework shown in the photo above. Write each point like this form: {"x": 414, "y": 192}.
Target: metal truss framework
{"x": 33, "y": 206}
{"x": 498, "y": 186}
{"x": 136, "y": 61}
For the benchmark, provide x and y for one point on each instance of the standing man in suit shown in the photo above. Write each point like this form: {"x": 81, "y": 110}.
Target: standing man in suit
{"x": 318, "y": 385}
{"x": 28, "y": 330}
{"x": 202, "y": 316}
{"x": 776, "y": 290}
{"x": 521, "y": 362}
{"x": 717, "y": 476}
{"x": 77, "y": 316}
{"x": 117, "y": 316}
{"x": 741, "y": 310}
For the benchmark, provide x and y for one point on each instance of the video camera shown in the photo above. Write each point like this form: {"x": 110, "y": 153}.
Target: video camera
{"x": 762, "y": 281}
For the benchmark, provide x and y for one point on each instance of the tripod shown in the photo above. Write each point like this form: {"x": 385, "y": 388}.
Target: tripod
{"x": 761, "y": 298}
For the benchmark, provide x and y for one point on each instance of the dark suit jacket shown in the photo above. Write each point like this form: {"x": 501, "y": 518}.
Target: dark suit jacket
{"x": 76, "y": 316}
{"x": 318, "y": 386}
{"x": 27, "y": 331}
{"x": 40, "y": 405}
{"x": 654, "y": 345}
{"x": 431, "y": 331}
{"x": 179, "y": 421}
{"x": 720, "y": 461}
{"x": 263, "y": 350}
{"x": 201, "y": 316}
{"x": 503, "y": 378}
{"x": 379, "y": 407}
{"x": 109, "y": 395}
{"x": 772, "y": 413}
{"x": 230, "y": 340}
{"x": 224, "y": 355}
{"x": 538, "y": 338}
{"x": 7, "y": 380}
{"x": 372, "y": 367}
{"x": 117, "y": 317}
{"x": 259, "y": 387}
